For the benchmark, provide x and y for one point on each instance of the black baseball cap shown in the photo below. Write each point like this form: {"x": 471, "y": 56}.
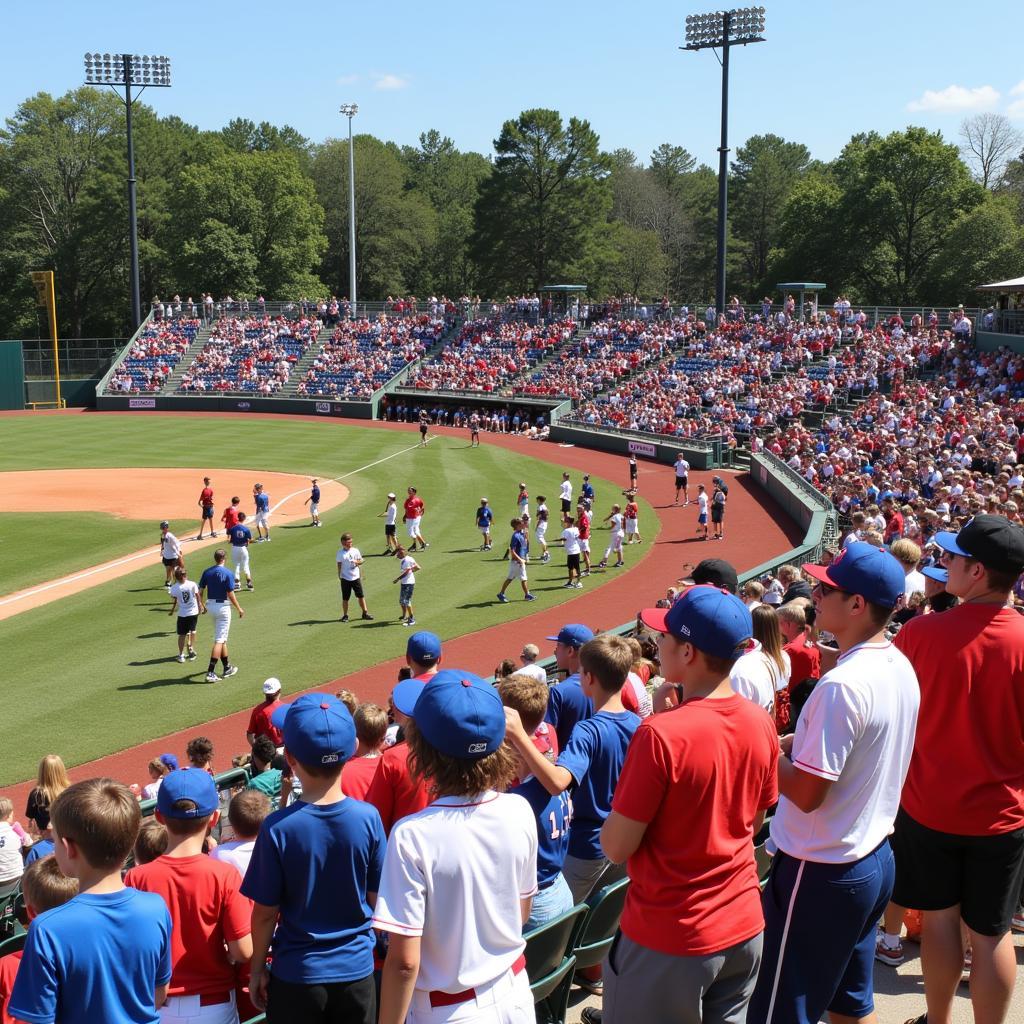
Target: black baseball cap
{"x": 716, "y": 572}
{"x": 992, "y": 540}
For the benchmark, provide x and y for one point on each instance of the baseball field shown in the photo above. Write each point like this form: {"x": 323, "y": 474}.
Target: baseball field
{"x": 89, "y": 649}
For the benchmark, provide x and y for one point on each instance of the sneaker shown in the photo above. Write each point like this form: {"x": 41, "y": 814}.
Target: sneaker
{"x": 267, "y": 539}
{"x": 368, "y": 616}
{"x": 618, "y": 565}
{"x": 259, "y": 540}
{"x": 191, "y": 655}
{"x": 238, "y": 587}
{"x": 530, "y": 597}
{"x": 591, "y": 1015}
{"x": 410, "y": 622}
{"x": 228, "y": 672}
{"x": 344, "y": 618}
{"x": 595, "y": 986}
{"x": 199, "y": 538}
{"x": 249, "y": 586}
{"x": 602, "y": 565}
{"x": 386, "y": 551}
{"x": 891, "y": 955}
{"x": 569, "y": 585}
{"x": 181, "y": 659}
{"x": 586, "y": 572}
{"x": 211, "y": 677}
{"x": 214, "y": 534}
{"x": 502, "y": 598}
{"x": 578, "y": 586}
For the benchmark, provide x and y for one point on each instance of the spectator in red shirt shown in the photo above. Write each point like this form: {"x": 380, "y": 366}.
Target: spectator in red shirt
{"x": 804, "y": 656}
{"x": 260, "y": 723}
{"x": 229, "y": 517}
{"x": 371, "y": 728}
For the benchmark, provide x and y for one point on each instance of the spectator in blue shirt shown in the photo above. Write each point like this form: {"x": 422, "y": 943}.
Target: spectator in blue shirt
{"x": 567, "y": 703}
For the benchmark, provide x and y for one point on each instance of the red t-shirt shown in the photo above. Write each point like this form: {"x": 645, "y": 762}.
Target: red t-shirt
{"x": 393, "y": 791}
{"x": 206, "y": 497}
{"x": 8, "y": 972}
{"x": 207, "y": 910}
{"x": 230, "y": 517}
{"x": 804, "y": 660}
{"x": 583, "y": 525}
{"x": 697, "y": 775}
{"x": 260, "y": 723}
{"x": 966, "y": 775}
{"x": 413, "y": 507}
{"x": 357, "y": 775}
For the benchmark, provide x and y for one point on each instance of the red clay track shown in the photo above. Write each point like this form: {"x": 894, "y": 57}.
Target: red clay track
{"x": 756, "y": 529}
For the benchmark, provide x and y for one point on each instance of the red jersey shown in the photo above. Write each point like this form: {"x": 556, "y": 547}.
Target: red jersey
{"x": 632, "y": 510}
{"x": 357, "y": 775}
{"x": 966, "y": 775}
{"x": 260, "y": 723}
{"x": 698, "y": 775}
{"x": 207, "y": 910}
{"x": 206, "y": 497}
{"x": 413, "y": 508}
{"x": 804, "y": 660}
{"x": 393, "y": 791}
{"x": 8, "y": 972}
{"x": 583, "y": 525}
{"x": 230, "y": 517}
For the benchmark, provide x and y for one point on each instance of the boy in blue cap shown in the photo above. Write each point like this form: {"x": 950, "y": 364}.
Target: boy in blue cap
{"x": 840, "y": 781}
{"x": 459, "y": 876}
{"x": 314, "y": 873}
{"x": 567, "y": 703}
{"x": 207, "y": 910}
{"x": 692, "y": 794}
{"x": 106, "y": 954}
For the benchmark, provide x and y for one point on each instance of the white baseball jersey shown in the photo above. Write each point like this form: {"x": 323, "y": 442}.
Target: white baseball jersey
{"x": 170, "y": 546}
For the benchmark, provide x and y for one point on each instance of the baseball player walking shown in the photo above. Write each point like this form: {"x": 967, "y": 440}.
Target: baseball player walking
{"x": 262, "y": 500}
{"x": 170, "y": 552}
{"x": 217, "y": 592}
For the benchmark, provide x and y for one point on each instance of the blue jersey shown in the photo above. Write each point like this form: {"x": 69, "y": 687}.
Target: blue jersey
{"x": 240, "y": 535}
{"x": 519, "y": 544}
{"x": 41, "y": 849}
{"x": 554, "y": 814}
{"x": 263, "y": 502}
{"x": 317, "y": 863}
{"x": 484, "y": 516}
{"x": 587, "y": 491}
{"x": 594, "y": 757}
{"x": 218, "y": 582}
{"x": 567, "y": 705}
{"x": 314, "y": 495}
{"x": 96, "y": 958}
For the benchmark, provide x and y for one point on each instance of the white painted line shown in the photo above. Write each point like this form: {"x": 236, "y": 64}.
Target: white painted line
{"x": 370, "y": 465}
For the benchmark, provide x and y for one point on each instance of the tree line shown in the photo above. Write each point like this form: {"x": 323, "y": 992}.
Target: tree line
{"x": 259, "y": 209}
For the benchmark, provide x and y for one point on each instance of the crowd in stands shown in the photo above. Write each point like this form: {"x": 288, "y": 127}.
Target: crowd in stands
{"x": 154, "y": 355}
{"x": 508, "y": 419}
{"x": 252, "y": 354}
{"x": 488, "y": 354}
{"x": 363, "y": 355}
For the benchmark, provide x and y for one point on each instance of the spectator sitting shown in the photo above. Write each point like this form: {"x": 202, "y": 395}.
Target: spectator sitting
{"x": 265, "y": 778}
{"x": 529, "y": 667}
{"x": 200, "y": 754}
{"x": 260, "y": 721}
{"x": 371, "y": 722}
{"x": 11, "y": 864}
{"x": 157, "y": 770}
{"x": 793, "y": 584}
{"x": 245, "y": 814}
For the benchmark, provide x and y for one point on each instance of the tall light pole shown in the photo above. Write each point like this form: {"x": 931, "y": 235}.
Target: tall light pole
{"x": 724, "y": 29}
{"x": 126, "y": 69}
{"x": 350, "y": 110}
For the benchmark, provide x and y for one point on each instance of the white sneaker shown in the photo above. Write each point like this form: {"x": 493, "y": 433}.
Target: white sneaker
{"x": 231, "y": 671}
{"x": 181, "y": 659}
{"x": 211, "y": 677}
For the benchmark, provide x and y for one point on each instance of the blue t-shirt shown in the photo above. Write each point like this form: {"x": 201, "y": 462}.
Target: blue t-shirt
{"x": 96, "y": 958}
{"x": 587, "y": 491}
{"x": 484, "y": 515}
{"x": 217, "y": 581}
{"x": 594, "y": 757}
{"x": 317, "y": 863}
{"x": 263, "y": 502}
{"x": 240, "y": 535}
{"x": 314, "y": 495}
{"x": 518, "y": 544}
{"x": 41, "y": 849}
{"x": 554, "y": 813}
{"x": 567, "y": 705}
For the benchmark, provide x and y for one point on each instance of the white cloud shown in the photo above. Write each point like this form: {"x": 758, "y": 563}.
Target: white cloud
{"x": 1018, "y": 89}
{"x": 390, "y": 82}
{"x": 955, "y": 99}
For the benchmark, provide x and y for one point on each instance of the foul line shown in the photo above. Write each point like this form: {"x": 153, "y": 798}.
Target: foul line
{"x": 370, "y": 465}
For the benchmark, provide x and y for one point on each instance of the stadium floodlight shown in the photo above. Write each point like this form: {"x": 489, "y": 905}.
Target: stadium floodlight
{"x": 350, "y": 110}
{"x": 128, "y": 69}
{"x": 711, "y": 31}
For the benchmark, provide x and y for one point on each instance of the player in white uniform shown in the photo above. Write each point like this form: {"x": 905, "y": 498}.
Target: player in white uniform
{"x": 170, "y": 552}
{"x": 702, "y": 512}
{"x": 541, "y": 531}
{"x": 187, "y": 602}
{"x": 565, "y": 494}
{"x": 618, "y": 529}
{"x": 459, "y": 876}
{"x": 390, "y": 516}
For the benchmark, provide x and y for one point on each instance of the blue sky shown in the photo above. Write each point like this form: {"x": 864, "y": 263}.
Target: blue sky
{"x": 827, "y": 70}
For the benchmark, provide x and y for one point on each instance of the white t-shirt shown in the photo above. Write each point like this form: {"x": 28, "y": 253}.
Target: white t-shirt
{"x": 534, "y": 671}
{"x": 391, "y": 514}
{"x": 454, "y": 873}
{"x": 566, "y": 491}
{"x": 150, "y": 790}
{"x": 702, "y": 503}
{"x": 11, "y": 864}
{"x": 238, "y": 853}
{"x": 187, "y": 596}
{"x": 347, "y": 559}
{"x": 571, "y": 536}
{"x": 682, "y": 467}
{"x": 913, "y": 584}
{"x": 617, "y": 523}
{"x": 756, "y": 676}
{"x": 856, "y": 730}
{"x": 408, "y": 576}
{"x": 170, "y": 547}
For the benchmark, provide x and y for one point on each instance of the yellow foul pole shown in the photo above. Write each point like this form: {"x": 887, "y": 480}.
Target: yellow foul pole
{"x": 53, "y": 332}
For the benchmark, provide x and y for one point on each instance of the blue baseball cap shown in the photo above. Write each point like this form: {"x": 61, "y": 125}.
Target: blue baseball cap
{"x": 863, "y": 569}
{"x": 713, "y": 620}
{"x": 171, "y": 761}
{"x": 317, "y": 729}
{"x": 936, "y": 572}
{"x": 193, "y": 784}
{"x": 423, "y": 647}
{"x": 406, "y": 693}
{"x": 573, "y": 635}
{"x": 460, "y": 715}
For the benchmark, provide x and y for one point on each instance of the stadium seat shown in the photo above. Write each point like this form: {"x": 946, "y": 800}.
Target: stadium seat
{"x": 256, "y": 1020}
{"x": 14, "y": 944}
{"x": 596, "y": 931}
{"x": 549, "y": 965}
{"x": 12, "y": 907}
{"x": 763, "y": 860}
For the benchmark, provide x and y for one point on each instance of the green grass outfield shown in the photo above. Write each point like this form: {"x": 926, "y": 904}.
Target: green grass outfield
{"x": 94, "y": 673}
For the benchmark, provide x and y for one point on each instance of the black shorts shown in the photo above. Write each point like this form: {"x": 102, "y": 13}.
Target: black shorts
{"x": 937, "y": 870}
{"x": 187, "y": 624}
{"x": 717, "y": 513}
{"x": 350, "y": 587}
{"x": 423, "y": 428}
{"x": 573, "y": 562}
{"x": 566, "y": 505}
{"x": 168, "y": 562}
{"x": 389, "y": 530}
{"x": 354, "y": 1002}
{"x": 682, "y": 481}
{"x": 207, "y": 511}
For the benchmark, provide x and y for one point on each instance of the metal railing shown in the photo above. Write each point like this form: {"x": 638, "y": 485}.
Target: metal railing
{"x": 79, "y": 357}
{"x": 225, "y": 781}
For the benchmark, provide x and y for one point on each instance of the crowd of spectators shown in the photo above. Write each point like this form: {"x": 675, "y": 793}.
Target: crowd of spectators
{"x": 154, "y": 355}
{"x": 253, "y": 355}
{"x": 363, "y": 355}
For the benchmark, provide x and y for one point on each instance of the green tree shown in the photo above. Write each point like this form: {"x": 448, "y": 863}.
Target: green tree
{"x": 544, "y": 202}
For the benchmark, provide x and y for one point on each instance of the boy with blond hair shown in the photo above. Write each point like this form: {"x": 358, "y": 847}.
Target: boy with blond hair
{"x": 371, "y": 722}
